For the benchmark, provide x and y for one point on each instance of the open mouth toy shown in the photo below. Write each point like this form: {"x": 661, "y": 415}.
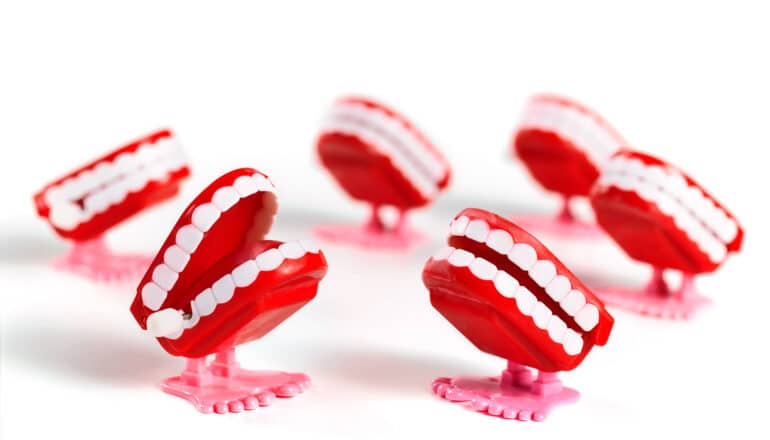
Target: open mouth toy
{"x": 83, "y": 205}
{"x": 511, "y": 297}
{"x": 660, "y": 216}
{"x": 379, "y": 157}
{"x": 564, "y": 145}
{"x": 217, "y": 283}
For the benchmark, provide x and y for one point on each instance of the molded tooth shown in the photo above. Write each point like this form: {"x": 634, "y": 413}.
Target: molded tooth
{"x": 204, "y": 216}
{"x": 525, "y": 300}
{"x": 587, "y": 317}
{"x": 310, "y": 246}
{"x": 269, "y": 260}
{"x": 153, "y": 296}
{"x": 96, "y": 203}
{"x": 188, "y": 238}
{"x": 542, "y": 272}
{"x": 505, "y": 284}
{"x": 135, "y": 181}
{"x": 541, "y": 315}
{"x": 443, "y": 253}
{"x": 176, "y": 258}
{"x": 262, "y": 183}
{"x": 164, "y": 276}
{"x": 65, "y": 216}
{"x": 459, "y": 225}
{"x": 572, "y": 342}
{"x": 556, "y": 329}
{"x": 164, "y": 323}
{"x": 523, "y": 256}
{"x": 223, "y": 289}
{"x": 245, "y": 274}
{"x": 245, "y": 186}
{"x": 205, "y": 302}
{"x": 194, "y": 316}
{"x": 558, "y": 287}
{"x": 500, "y": 241}
{"x": 478, "y": 230}
{"x": 573, "y": 302}
{"x": 460, "y": 258}
{"x": 224, "y": 198}
{"x": 483, "y": 269}
{"x": 291, "y": 251}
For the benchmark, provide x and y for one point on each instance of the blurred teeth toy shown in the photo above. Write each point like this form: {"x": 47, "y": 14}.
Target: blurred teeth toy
{"x": 511, "y": 297}
{"x": 83, "y": 205}
{"x": 377, "y": 156}
{"x": 217, "y": 283}
{"x": 660, "y": 216}
{"x": 564, "y": 145}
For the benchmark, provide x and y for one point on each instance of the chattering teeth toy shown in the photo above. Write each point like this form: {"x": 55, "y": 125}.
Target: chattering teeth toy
{"x": 83, "y": 205}
{"x": 217, "y": 283}
{"x": 511, "y": 297}
{"x": 564, "y": 145}
{"x": 378, "y": 156}
{"x": 661, "y": 216}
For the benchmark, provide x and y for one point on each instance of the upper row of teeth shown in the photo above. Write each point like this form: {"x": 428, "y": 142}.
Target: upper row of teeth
{"x": 582, "y": 129}
{"x": 188, "y": 237}
{"x": 697, "y": 215}
{"x": 222, "y": 290}
{"x": 405, "y": 149}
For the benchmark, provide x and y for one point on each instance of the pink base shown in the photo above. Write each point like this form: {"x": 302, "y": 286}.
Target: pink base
{"x": 564, "y": 224}
{"x": 373, "y": 235}
{"x": 225, "y": 387}
{"x": 657, "y": 299}
{"x": 95, "y": 260}
{"x": 515, "y": 395}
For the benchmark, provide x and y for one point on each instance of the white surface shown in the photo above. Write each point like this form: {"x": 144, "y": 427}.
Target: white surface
{"x": 246, "y": 84}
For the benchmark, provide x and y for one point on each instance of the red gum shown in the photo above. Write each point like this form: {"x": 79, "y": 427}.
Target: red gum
{"x": 153, "y": 193}
{"x": 493, "y": 322}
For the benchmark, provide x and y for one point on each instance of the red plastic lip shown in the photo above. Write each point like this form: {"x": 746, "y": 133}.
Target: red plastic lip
{"x": 645, "y": 232}
{"x": 493, "y": 322}
{"x": 367, "y": 174}
{"x": 553, "y": 159}
{"x": 153, "y": 193}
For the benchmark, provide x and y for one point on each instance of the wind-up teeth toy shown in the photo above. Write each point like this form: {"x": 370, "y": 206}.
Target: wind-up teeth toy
{"x": 217, "y": 283}
{"x": 83, "y": 205}
{"x": 379, "y": 157}
{"x": 511, "y": 297}
{"x": 564, "y": 145}
{"x": 661, "y": 216}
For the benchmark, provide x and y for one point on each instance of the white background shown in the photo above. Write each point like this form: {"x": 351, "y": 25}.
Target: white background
{"x": 245, "y": 84}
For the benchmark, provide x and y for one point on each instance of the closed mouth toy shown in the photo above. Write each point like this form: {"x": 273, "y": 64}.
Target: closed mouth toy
{"x": 379, "y": 157}
{"x": 660, "y": 216}
{"x": 83, "y": 205}
{"x": 564, "y": 145}
{"x": 511, "y": 297}
{"x": 217, "y": 283}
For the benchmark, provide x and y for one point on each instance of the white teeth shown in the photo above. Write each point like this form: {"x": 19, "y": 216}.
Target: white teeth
{"x": 164, "y": 276}
{"x": 65, "y": 216}
{"x": 542, "y": 272}
{"x": 262, "y": 183}
{"x": 572, "y": 342}
{"x": 245, "y": 274}
{"x": 269, "y": 260}
{"x": 556, "y": 329}
{"x": 483, "y": 269}
{"x": 460, "y": 258}
{"x": 505, "y": 284}
{"x": 541, "y": 315}
{"x": 477, "y": 230}
{"x": 205, "y": 302}
{"x": 459, "y": 225}
{"x": 500, "y": 241}
{"x": 525, "y": 301}
{"x": 176, "y": 258}
{"x": 523, "y": 256}
{"x": 194, "y": 317}
{"x": 224, "y": 198}
{"x": 245, "y": 186}
{"x": 573, "y": 302}
{"x": 443, "y": 253}
{"x": 587, "y": 317}
{"x": 164, "y": 323}
{"x": 96, "y": 203}
{"x": 188, "y": 238}
{"x": 204, "y": 216}
{"x": 558, "y": 287}
{"x": 223, "y": 289}
{"x": 153, "y": 296}
{"x": 309, "y": 246}
{"x": 291, "y": 251}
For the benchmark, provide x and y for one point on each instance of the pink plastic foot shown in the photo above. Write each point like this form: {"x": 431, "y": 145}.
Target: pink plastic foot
{"x": 513, "y": 396}
{"x": 657, "y": 299}
{"x": 94, "y": 260}
{"x": 374, "y": 234}
{"x": 564, "y": 224}
{"x": 225, "y": 387}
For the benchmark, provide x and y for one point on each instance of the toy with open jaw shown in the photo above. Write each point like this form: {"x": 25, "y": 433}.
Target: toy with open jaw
{"x": 511, "y": 297}
{"x": 217, "y": 283}
{"x": 377, "y": 156}
{"x": 564, "y": 146}
{"x": 83, "y": 205}
{"x": 660, "y": 216}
